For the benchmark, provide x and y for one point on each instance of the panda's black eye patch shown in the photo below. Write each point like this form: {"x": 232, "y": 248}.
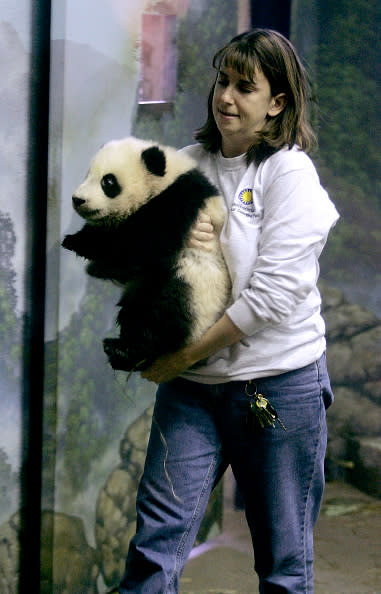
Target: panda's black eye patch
{"x": 110, "y": 185}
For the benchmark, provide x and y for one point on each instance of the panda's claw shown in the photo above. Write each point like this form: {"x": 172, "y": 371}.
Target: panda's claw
{"x": 118, "y": 357}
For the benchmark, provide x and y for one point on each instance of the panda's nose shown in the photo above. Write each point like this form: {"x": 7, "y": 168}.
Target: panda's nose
{"x": 78, "y": 201}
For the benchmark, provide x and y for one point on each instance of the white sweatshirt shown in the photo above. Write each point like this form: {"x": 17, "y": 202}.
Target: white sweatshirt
{"x": 278, "y": 220}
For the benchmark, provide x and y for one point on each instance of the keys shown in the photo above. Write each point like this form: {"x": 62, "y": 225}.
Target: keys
{"x": 261, "y": 409}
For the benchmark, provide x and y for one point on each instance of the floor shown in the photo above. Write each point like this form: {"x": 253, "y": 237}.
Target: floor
{"x": 347, "y": 548}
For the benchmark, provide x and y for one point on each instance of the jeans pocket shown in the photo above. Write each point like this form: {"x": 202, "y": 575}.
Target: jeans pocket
{"x": 297, "y": 397}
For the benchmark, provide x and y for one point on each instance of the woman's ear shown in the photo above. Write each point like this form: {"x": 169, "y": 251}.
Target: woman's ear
{"x": 278, "y": 103}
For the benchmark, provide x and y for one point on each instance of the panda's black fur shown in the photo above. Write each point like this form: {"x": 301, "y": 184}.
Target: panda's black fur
{"x": 143, "y": 251}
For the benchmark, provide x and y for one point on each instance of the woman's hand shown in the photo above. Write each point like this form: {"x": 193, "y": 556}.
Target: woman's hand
{"x": 202, "y": 234}
{"x": 167, "y": 367}
{"x": 223, "y": 333}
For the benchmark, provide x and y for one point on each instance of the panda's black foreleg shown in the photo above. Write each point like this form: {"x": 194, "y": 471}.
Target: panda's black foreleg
{"x": 87, "y": 243}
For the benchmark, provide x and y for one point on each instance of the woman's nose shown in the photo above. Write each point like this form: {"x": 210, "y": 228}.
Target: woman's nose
{"x": 227, "y": 95}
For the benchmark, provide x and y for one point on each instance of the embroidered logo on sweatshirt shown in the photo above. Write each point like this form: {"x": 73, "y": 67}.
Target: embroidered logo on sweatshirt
{"x": 244, "y": 204}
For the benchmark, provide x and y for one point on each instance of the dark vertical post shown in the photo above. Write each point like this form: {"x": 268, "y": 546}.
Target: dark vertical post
{"x": 272, "y": 14}
{"x": 34, "y": 313}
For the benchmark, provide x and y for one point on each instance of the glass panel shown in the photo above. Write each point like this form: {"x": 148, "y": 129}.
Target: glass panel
{"x": 96, "y": 424}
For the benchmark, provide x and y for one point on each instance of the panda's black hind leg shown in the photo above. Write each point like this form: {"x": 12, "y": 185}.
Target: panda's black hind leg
{"x": 118, "y": 355}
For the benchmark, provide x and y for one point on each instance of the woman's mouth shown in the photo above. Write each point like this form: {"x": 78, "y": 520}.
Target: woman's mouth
{"x": 227, "y": 114}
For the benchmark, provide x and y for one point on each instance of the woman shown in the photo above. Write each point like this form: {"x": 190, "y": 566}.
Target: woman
{"x": 269, "y": 342}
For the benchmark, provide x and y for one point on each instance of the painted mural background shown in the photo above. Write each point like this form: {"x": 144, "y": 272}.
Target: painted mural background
{"x": 14, "y": 68}
{"x": 95, "y": 425}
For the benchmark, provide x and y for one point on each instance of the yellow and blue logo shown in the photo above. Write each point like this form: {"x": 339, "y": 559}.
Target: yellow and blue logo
{"x": 246, "y": 196}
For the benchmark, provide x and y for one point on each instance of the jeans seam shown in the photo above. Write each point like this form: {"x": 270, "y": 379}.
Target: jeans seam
{"x": 180, "y": 548}
{"x": 318, "y": 438}
{"x": 319, "y": 377}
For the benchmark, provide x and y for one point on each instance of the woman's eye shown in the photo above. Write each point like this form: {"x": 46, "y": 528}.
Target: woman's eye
{"x": 222, "y": 81}
{"x": 245, "y": 89}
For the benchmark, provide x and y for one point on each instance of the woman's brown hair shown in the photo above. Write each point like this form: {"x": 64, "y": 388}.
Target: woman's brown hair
{"x": 271, "y": 53}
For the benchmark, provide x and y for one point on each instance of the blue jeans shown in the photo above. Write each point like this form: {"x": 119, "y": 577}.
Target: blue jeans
{"x": 197, "y": 431}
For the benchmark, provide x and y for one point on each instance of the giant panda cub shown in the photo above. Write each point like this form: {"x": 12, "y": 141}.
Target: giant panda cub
{"x": 140, "y": 200}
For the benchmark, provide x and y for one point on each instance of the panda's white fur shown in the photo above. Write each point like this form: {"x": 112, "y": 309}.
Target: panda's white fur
{"x": 144, "y": 172}
{"x": 205, "y": 272}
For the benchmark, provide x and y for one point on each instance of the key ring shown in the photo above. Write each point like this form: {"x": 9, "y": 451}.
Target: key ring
{"x": 261, "y": 409}
{"x": 250, "y": 382}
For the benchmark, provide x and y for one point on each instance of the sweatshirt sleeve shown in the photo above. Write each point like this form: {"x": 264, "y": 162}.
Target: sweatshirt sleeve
{"x": 298, "y": 215}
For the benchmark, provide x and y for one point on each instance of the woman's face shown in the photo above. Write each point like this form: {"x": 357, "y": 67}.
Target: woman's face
{"x": 240, "y": 108}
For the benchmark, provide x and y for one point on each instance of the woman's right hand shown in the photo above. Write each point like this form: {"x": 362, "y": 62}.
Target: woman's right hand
{"x": 201, "y": 234}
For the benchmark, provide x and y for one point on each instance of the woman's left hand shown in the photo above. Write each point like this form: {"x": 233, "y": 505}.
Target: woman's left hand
{"x": 167, "y": 367}
{"x": 201, "y": 234}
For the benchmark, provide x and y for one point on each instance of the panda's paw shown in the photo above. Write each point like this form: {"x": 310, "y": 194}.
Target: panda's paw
{"x": 96, "y": 270}
{"x": 75, "y": 244}
{"x": 117, "y": 354}
{"x": 69, "y": 243}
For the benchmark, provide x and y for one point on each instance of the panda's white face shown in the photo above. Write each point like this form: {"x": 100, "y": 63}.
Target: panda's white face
{"x": 124, "y": 175}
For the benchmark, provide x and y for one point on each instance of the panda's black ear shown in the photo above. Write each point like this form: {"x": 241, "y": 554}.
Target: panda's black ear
{"x": 154, "y": 159}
